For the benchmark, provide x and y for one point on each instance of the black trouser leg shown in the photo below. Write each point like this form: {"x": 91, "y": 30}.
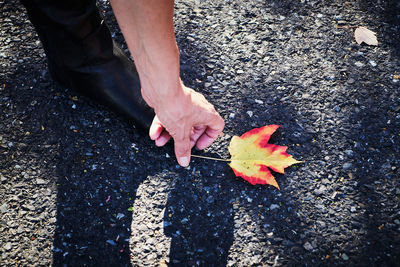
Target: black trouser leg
{"x": 83, "y": 57}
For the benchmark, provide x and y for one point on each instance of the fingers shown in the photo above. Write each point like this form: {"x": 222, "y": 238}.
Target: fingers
{"x": 211, "y": 133}
{"x": 158, "y": 133}
{"x": 197, "y": 131}
{"x": 156, "y": 128}
{"x": 182, "y": 151}
{"x": 163, "y": 138}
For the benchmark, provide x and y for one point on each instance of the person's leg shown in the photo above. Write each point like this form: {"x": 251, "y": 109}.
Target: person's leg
{"x": 83, "y": 57}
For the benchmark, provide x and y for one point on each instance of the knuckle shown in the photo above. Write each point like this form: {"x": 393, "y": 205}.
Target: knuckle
{"x": 181, "y": 150}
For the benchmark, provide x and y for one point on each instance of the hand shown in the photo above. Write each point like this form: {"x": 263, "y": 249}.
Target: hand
{"x": 190, "y": 120}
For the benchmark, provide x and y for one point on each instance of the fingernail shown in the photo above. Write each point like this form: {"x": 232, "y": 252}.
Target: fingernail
{"x": 184, "y": 161}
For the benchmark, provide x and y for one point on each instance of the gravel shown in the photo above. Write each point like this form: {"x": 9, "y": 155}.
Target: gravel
{"x": 81, "y": 186}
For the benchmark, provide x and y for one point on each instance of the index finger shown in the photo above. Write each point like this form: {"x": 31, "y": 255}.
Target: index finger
{"x": 182, "y": 150}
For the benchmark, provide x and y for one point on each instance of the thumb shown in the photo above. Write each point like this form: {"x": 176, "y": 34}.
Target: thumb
{"x": 182, "y": 151}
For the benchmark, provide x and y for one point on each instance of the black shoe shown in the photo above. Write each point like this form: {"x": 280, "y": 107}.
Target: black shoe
{"x": 83, "y": 57}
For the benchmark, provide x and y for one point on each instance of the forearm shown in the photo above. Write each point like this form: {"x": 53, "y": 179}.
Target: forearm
{"x": 148, "y": 29}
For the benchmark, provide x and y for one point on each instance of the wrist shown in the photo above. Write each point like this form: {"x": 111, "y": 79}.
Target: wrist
{"x": 159, "y": 73}
{"x": 157, "y": 91}
{"x": 173, "y": 101}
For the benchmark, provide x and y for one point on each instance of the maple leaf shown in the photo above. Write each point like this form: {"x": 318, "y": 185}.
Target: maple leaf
{"x": 362, "y": 34}
{"x": 252, "y": 156}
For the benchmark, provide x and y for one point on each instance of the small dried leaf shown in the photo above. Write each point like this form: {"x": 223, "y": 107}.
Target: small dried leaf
{"x": 362, "y": 34}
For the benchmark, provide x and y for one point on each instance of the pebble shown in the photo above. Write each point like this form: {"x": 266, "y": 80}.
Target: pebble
{"x": 321, "y": 223}
{"x": 359, "y": 64}
{"x": 347, "y": 166}
{"x": 353, "y": 209}
{"x": 7, "y": 246}
{"x": 373, "y": 63}
{"x": 321, "y": 207}
{"x": 351, "y": 81}
{"x": 325, "y": 181}
{"x": 345, "y": 257}
{"x": 349, "y": 152}
{"x": 397, "y": 222}
{"x": 331, "y": 78}
{"x": 120, "y": 216}
{"x": 250, "y": 113}
{"x": 273, "y": 206}
{"x": 232, "y": 115}
{"x": 258, "y": 101}
{"x": 20, "y": 229}
{"x": 29, "y": 207}
{"x": 111, "y": 242}
{"x": 40, "y": 181}
{"x": 4, "y": 208}
{"x": 320, "y": 190}
{"x": 146, "y": 248}
{"x": 287, "y": 243}
{"x": 308, "y": 246}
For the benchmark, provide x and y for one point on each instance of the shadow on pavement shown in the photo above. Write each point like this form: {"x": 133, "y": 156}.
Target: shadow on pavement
{"x": 199, "y": 223}
{"x": 99, "y": 173}
{"x": 375, "y": 138}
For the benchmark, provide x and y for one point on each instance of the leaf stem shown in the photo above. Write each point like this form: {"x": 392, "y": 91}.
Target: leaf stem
{"x": 204, "y": 157}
